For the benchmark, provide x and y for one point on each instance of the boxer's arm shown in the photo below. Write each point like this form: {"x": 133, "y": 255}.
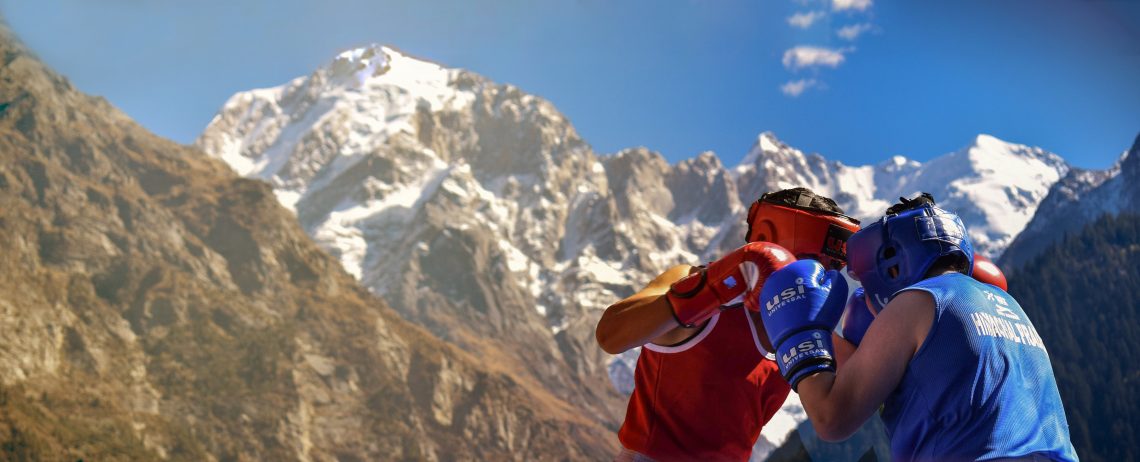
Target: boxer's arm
{"x": 839, "y": 403}
{"x": 843, "y": 349}
{"x": 686, "y": 297}
{"x": 644, "y": 317}
{"x": 856, "y": 320}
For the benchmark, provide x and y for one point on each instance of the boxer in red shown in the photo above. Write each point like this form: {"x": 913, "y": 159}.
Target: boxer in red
{"x": 705, "y": 383}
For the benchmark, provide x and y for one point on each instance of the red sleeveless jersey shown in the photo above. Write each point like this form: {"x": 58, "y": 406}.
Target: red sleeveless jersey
{"x": 707, "y": 398}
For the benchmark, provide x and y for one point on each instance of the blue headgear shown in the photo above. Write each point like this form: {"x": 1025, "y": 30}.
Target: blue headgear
{"x": 897, "y": 251}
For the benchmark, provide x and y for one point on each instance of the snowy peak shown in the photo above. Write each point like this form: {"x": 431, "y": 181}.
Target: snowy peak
{"x": 994, "y": 184}
{"x": 473, "y": 207}
{"x": 767, "y": 142}
{"x": 766, "y": 145}
{"x": 987, "y": 147}
{"x": 1078, "y": 199}
{"x": 376, "y": 64}
{"x": 897, "y": 163}
{"x": 991, "y": 143}
{"x": 306, "y": 133}
{"x": 771, "y": 164}
{"x": 360, "y": 64}
{"x": 991, "y": 160}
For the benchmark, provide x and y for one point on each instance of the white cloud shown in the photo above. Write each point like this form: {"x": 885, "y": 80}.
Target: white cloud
{"x": 795, "y": 88}
{"x": 841, "y": 5}
{"x": 804, "y": 56}
{"x": 853, "y": 31}
{"x": 805, "y": 20}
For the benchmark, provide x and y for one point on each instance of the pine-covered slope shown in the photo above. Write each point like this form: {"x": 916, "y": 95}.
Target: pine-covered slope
{"x": 154, "y": 305}
{"x": 1083, "y": 294}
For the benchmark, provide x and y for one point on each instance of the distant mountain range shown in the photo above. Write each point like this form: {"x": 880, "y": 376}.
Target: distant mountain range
{"x": 476, "y": 210}
{"x": 1079, "y": 199}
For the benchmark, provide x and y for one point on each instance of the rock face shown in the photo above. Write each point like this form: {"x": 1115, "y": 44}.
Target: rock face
{"x": 1079, "y": 199}
{"x": 155, "y": 305}
{"x": 476, "y": 210}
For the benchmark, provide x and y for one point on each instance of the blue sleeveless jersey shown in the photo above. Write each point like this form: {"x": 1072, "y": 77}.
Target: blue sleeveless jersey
{"x": 980, "y": 387}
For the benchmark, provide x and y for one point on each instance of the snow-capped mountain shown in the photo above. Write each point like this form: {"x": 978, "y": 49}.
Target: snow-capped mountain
{"x": 993, "y": 185}
{"x": 1077, "y": 200}
{"x": 476, "y": 210}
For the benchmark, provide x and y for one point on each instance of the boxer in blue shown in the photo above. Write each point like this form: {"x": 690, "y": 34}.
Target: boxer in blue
{"x": 956, "y": 365}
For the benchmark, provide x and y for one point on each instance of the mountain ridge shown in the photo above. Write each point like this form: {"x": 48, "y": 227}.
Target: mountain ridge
{"x": 1076, "y": 201}
{"x": 161, "y": 307}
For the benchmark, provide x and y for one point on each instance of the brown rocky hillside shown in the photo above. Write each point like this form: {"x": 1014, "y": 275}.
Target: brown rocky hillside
{"x": 154, "y": 305}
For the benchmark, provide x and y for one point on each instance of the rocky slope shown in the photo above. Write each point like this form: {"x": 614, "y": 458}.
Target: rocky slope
{"x": 451, "y": 197}
{"x": 1079, "y": 199}
{"x": 476, "y": 210}
{"x": 155, "y": 305}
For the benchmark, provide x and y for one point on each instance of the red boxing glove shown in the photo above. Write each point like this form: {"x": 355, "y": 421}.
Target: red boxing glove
{"x": 698, "y": 296}
{"x": 986, "y": 271}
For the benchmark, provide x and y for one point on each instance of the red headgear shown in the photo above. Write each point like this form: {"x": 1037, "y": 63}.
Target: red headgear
{"x": 806, "y": 232}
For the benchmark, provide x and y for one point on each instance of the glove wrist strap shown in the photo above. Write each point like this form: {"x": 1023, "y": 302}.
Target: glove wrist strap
{"x": 691, "y": 300}
{"x": 805, "y": 353}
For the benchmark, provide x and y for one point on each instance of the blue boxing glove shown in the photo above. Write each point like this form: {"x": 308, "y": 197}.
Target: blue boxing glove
{"x": 802, "y": 304}
{"x": 857, "y": 317}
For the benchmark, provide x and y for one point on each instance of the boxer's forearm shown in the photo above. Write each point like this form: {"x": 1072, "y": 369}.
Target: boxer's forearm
{"x": 838, "y": 403}
{"x": 701, "y": 294}
{"x": 642, "y": 317}
{"x": 637, "y": 322}
{"x": 843, "y": 349}
{"x": 834, "y": 417}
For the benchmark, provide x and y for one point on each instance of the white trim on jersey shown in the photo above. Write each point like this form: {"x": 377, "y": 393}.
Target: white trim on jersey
{"x": 688, "y": 343}
{"x": 756, "y": 338}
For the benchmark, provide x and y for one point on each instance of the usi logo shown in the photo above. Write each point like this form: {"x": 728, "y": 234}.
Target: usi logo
{"x": 785, "y": 296}
{"x": 806, "y": 346}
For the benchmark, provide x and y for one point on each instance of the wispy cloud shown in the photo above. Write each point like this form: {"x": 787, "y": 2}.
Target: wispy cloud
{"x": 795, "y": 88}
{"x": 806, "y": 19}
{"x": 853, "y": 31}
{"x": 858, "y": 5}
{"x": 804, "y": 56}
{"x": 809, "y": 59}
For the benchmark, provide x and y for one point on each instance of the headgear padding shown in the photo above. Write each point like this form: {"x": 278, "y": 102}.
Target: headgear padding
{"x": 899, "y": 249}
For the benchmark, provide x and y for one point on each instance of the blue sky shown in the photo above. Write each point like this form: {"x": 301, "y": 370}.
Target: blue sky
{"x": 679, "y": 77}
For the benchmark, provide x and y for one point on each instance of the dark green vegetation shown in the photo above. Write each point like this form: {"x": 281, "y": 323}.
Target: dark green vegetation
{"x": 1083, "y": 295}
